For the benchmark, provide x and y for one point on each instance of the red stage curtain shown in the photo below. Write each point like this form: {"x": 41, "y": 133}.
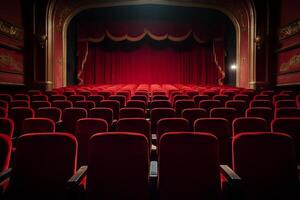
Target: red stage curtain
{"x": 148, "y": 64}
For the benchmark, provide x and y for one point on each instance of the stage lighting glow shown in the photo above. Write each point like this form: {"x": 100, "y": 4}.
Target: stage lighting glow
{"x": 233, "y": 67}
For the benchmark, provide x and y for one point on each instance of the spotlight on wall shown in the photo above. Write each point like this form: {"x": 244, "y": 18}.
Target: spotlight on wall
{"x": 233, "y": 67}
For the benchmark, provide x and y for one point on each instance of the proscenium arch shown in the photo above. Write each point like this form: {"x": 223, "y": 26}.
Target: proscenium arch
{"x": 234, "y": 20}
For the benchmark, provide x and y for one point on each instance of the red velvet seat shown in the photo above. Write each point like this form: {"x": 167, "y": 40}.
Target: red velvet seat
{"x": 96, "y": 99}
{"x": 220, "y": 128}
{"x": 7, "y": 126}
{"x": 165, "y": 125}
{"x": 50, "y": 93}
{"x": 136, "y": 104}
{"x": 140, "y": 98}
{"x": 132, "y": 113}
{"x": 69, "y": 119}
{"x": 239, "y": 105}
{"x": 112, "y": 104}
{"x": 50, "y": 113}
{"x": 261, "y": 103}
{"x": 192, "y": 114}
{"x": 209, "y": 104}
{"x": 262, "y": 97}
{"x": 6, "y": 97}
{"x": 43, "y": 164}
{"x": 159, "y": 97}
{"x": 38, "y": 125}
{"x": 179, "y": 97}
{"x": 265, "y": 113}
{"x": 137, "y": 125}
{"x": 222, "y": 98}
{"x": 3, "y": 112}
{"x": 85, "y": 93}
{"x": 160, "y": 104}
{"x": 227, "y": 113}
{"x": 199, "y": 98}
{"x": 19, "y": 103}
{"x": 191, "y": 94}
{"x": 35, "y": 105}
{"x": 290, "y": 126}
{"x": 180, "y": 105}
{"x": 268, "y": 92}
{"x": 287, "y": 112}
{"x": 143, "y": 93}
{"x": 118, "y": 166}
{"x": 286, "y": 104}
{"x": 188, "y": 166}
{"x": 242, "y": 97}
{"x": 4, "y": 104}
{"x": 18, "y": 115}
{"x": 278, "y": 97}
{"x": 69, "y": 93}
{"x": 154, "y": 93}
{"x": 39, "y": 98}
{"x": 249, "y": 124}
{"x": 24, "y": 97}
{"x": 102, "y": 113}
{"x": 127, "y": 94}
{"x": 5, "y": 152}
{"x": 105, "y": 94}
{"x": 62, "y": 104}
{"x": 75, "y": 98}
{"x": 267, "y": 165}
{"x": 34, "y": 92}
{"x": 57, "y": 97}
{"x": 160, "y": 113}
{"x": 120, "y": 98}
{"x": 86, "y": 128}
{"x": 85, "y": 104}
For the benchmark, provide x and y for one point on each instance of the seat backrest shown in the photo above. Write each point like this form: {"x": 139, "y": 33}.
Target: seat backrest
{"x": 112, "y": 104}
{"x": 85, "y": 104}
{"x": 286, "y": 104}
{"x": 85, "y": 129}
{"x": 96, "y": 99}
{"x": 110, "y": 170}
{"x": 160, "y": 104}
{"x": 105, "y": 94}
{"x": 220, "y": 128}
{"x": 239, "y": 105}
{"x": 39, "y": 98}
{"x": 70, "y": 117}
{"x": 132, "y": 113}
{"x": 265, "y": 113}
{"x": 180, "y": 105}
{"x": 57, "y": 97}
{"x": 18, "y": 114}
{"x": 137, "y": 125}
{"x": 7, "y": 126}
{"x": 278, "y": 97}
{"x": 3, "y": 104}
{"x": 159, "y": 97}
{"x": 50, "y": 113}
{"x": 228, "y": 113}
{"x": 287, "y": 112}
{"x": 222, "y": 98}
{"x": 180, "y": 97}
{"x": 209, "y": 104}
{"x": 43, "y": 164}
{"x": 120, "y": 98}
{"x": 19, "y": 103}
{"x": 261, "y": 103}
{"x": 35, "y": 105}
{"x": 160, "y": 113}
{"x": 165, "y": 125}
{"x": 6, "y": 97}
{"x": 24, "y": 97}
{"x": 192, "y": 114}
{"x": 102, "y": 113}
{"x": 3, "y": 112}
{"x": 249, "y": 124}
{"x": 136, "y": 104}
{"x": 188, "y": 166}
{"x": 262, "y": 97}
{"x": 75, "y": 98}
{"x": 5, "y": 151}
{"x": 62, "y": 104}
{"x": 38, "y": 125}
{"x": 290, "y": 126}
{"x": 199, "y": 98}
{"x": 140, "y": 98}
{"x": 266, "y": 163}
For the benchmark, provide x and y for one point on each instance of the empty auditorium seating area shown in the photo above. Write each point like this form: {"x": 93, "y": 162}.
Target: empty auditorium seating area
{"x": 150, "y": 141}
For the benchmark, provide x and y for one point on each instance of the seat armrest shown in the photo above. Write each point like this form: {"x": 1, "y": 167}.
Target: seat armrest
{"x": 153, "y": 179}
{"x": 5, "y": 174}
{"x": 75, "y": 180}
{"x": 229, "y": 174}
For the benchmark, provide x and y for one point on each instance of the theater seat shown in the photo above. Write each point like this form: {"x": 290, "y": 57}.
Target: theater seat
{"x": 118, "y": 167}
{"x": 159, "y": 113}
{"x": 287, "y": 112}
{"x": 43, "y": 164}
{"x": 5, "y": 157}
{"x": 38, "y": 125}
{"x": 69, "y": 119}
{"x": 249, "y": 124}
{"x": 50, "y": 113}
{"x": 86, "y": 128}
{"x": 262, "y": 112}
{"x": 220, "y": 128}
{"x": 132, "y": 113}
{"x": 102, "y": 113}
{"x": 62, "y": 104}
{"x": 3, "y": 112}
{"x": 165, "y": 125}
{"x": 7, "y": 126}
{"x": 112, "y": 104}
{"x": 35, "y": 105}
{"x": 180, "y": 105}
{"x": 188, "y": 167}
{"x": 266, "y": 163}
{"x": 85, "y": 104}
{"x": 192, "y": 114}
{"x": 136, "y": 104}
{"x": 160, "y": 104}
{"x": 18, "y": 114}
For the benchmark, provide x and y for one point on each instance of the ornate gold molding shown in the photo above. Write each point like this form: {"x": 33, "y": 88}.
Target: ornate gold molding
{"x": 11, "y": 64}
{"x": 11, "y": 31}
{"x": 289, "y": 30}
{"x": 285, "y": 67}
